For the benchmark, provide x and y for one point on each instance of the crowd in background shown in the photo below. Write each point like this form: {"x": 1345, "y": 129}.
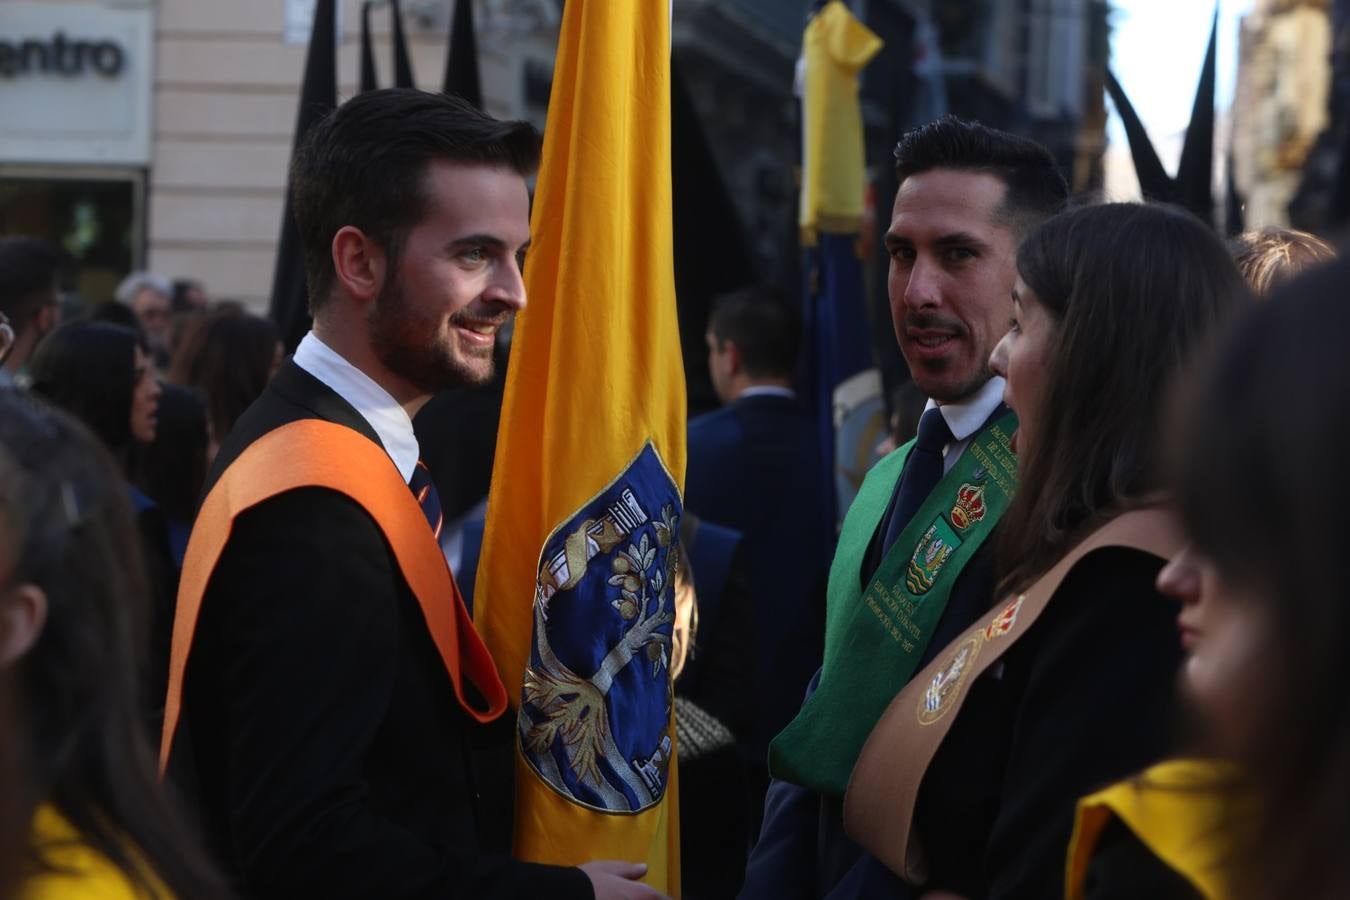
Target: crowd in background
{"x": 114, "y": 414}
{"x": 158, "y": 373}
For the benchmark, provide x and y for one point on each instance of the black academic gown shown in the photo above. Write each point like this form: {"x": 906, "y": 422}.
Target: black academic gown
{"x": 321, "y": 737}
{"x": 1082, "y": 700}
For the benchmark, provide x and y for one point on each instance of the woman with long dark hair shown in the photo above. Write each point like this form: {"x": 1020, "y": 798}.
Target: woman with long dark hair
{"x": 1176, "y": 830}
{"x": 1265, "y": 584}
{"x": 968, "y": 784}
{"x": 228, "y": 359}
{"x": 103, "y": 375}
{"x": 72, "y": 633}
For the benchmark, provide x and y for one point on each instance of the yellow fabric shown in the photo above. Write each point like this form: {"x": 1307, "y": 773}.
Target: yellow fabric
{"x": 82, "y": 873}
{"x": 595, "y": 371}
{"x": 1177, "y": 809}
{"x": 835, "y": 47}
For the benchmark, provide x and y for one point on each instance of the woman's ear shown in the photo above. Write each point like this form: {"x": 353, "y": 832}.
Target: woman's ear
{"x": 23, "y": 612}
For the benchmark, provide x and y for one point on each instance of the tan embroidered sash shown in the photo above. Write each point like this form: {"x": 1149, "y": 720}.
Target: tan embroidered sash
{"x": 879, "y": 803}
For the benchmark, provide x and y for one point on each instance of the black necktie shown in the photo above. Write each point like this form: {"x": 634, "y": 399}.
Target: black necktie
{"x": 430, "y": 501}
{"x": 923, "y": 470}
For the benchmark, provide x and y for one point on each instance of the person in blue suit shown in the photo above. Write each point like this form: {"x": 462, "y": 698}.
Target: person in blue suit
{"x": 754, "y": 466}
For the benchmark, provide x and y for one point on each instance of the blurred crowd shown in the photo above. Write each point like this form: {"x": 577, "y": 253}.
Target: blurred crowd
{"x": 159, "y": 374}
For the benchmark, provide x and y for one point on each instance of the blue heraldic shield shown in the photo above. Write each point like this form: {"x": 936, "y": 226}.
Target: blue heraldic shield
{"x": 596, "y": 704}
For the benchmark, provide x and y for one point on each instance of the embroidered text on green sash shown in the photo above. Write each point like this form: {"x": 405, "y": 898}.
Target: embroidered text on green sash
{"x": 873, "y": 643}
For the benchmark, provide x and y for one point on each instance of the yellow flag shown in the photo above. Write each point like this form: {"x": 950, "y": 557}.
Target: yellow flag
{"x": 574, "y": 594}
{"x": 835, "y": 47}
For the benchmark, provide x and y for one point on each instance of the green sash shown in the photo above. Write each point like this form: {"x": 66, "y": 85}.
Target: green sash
{"x": 874, "y": 638}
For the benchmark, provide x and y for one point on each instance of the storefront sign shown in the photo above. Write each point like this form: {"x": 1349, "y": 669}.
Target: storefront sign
{"x": 60, "y": 55}
{"x": 75, "y": 83}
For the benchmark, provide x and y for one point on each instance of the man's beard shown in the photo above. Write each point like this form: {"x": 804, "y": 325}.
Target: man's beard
{"x": 410, "y": 345}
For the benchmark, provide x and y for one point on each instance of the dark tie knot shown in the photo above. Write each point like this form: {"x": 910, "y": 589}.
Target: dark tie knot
{"x": 933, "y": 431}
{"x": 425, "y": 491}
{"x": 923, "y": 470}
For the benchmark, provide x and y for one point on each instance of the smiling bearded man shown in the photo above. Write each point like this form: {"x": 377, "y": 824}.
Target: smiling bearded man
{"x": 328, "y": 689}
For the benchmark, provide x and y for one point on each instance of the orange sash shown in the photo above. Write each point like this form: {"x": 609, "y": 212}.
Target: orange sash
{"x": 317, "y": 453}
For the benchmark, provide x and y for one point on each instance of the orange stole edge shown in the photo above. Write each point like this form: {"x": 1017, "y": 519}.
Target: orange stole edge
{"x": 318, "y": 453}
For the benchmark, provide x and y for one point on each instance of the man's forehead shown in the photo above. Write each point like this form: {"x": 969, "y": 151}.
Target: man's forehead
{"x": 940, "y": 202}
{"x": 477, "y": 186}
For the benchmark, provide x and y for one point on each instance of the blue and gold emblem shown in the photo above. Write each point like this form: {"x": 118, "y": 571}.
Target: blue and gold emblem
{"x": 935, "y": 548}
{"x": 946, "y": 685}
{"x": 596, "y": 705}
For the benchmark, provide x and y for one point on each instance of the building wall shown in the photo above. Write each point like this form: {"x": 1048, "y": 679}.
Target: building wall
{"x": 1280, "y": 103}
{"x": 226, "y": 96}
{"x": 226, "y": 82}
{"x": 740, "y": 81}
{"x": 1022, "y": 65}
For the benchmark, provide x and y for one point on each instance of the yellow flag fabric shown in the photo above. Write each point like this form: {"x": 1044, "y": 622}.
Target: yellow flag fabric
{"x": 835, "y": 47}
{"x": 1181, "y": 809}
{"x": 574, "y": 592}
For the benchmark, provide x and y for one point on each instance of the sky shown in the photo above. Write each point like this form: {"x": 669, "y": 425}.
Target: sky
{"x": 1157, "y": 48}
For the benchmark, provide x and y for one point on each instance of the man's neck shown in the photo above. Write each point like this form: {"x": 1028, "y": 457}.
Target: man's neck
{"x": 964, "y": 416}
{"x": 740, "y": 386}
{"x": 357, "y": 351}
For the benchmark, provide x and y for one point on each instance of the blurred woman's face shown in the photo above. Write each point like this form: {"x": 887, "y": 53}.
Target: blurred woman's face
{"x": 145, "y": 393}
{"x": 1021, "y": 358}
{"x": 1223, "y": 628}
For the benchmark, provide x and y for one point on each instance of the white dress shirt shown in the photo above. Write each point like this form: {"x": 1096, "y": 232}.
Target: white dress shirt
{"x": 767, "y": 390}
{"x": 374, "y": 404}
{"x": 966, "y": 417}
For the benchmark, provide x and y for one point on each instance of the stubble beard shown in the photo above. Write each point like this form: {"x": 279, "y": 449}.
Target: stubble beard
{"x": 416, "y": 349}
{"x": 945, "y": 392}
{"x": 937, "y": 379}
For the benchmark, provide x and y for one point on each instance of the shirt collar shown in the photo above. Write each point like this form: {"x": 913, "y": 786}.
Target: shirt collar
{"x": 372, "y": 402}
{"x": 966, "y": 417}
{"x": 767, "y": 390}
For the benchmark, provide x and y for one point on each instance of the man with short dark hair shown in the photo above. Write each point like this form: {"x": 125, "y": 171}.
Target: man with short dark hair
{"x": 330, "y": 690}
{"x": 754, "y": 466}
{"x": 753, "y": 339}
{"x": 29, "y": 298}
{"x": 913, "y": 567}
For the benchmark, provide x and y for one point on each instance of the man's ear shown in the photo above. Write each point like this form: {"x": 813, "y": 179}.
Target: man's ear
{"x": 23, "y": 612}
{"x": 358, "y": 262}
{"x": 732, "y": 353}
